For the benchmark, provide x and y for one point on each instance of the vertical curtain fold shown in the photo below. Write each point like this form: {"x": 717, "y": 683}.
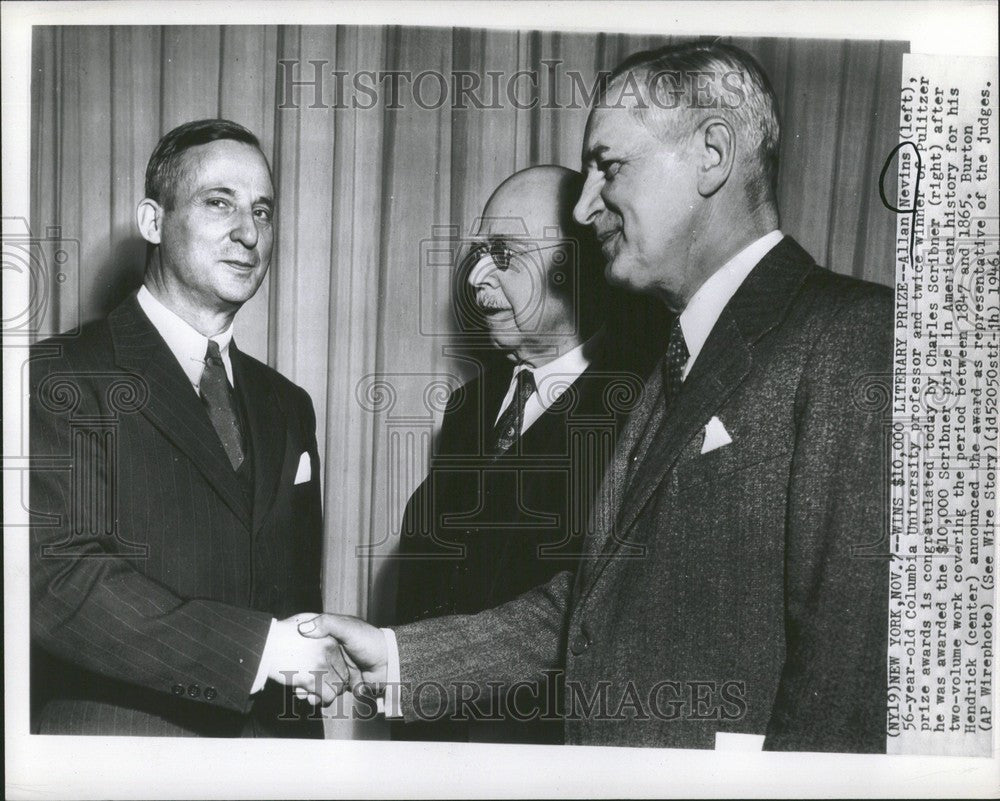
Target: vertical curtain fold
{"x": 357, "y": 306}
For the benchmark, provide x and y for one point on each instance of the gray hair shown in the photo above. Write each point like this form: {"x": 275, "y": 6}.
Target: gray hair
{"x": 699, "y": 79}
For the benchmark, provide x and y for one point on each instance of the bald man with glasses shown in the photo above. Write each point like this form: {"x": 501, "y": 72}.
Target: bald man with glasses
{"x": 504, "y": 505}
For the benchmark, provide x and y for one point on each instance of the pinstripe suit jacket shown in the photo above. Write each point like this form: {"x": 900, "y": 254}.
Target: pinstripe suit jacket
{"x": 154, "y": 572}
{"x": 741, "y": 590}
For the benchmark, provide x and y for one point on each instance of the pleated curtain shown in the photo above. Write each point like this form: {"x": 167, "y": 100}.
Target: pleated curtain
{"x": 357, "y": 305}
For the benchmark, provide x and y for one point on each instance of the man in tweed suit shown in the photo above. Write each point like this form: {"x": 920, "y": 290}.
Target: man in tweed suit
{"x": 737, "y": 584}
{"x": 175, "y": 484}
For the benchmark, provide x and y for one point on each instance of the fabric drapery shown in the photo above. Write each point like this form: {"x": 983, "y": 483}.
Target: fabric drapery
{"x": 357, "y": 307}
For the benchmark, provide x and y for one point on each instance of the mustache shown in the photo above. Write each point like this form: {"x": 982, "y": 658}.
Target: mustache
{"x": 487, "y": 302}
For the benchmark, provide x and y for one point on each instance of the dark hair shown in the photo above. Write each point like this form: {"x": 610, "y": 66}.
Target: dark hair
{"x": 162, "y": 169}
{"x": 731, "y": 74}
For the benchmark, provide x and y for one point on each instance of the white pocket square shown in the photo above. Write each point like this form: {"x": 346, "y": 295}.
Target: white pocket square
{"x": 715, "y": 436}
{"x": 304, "y": 472}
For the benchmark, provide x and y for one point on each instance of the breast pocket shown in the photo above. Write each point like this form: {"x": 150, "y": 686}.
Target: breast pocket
{"x": 728, "y": 464}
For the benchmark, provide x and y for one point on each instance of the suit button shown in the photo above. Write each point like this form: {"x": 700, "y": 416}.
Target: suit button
{"x": 581, "y": 642}
{"x": 178, "y": 689}
{"x": 194, "y": 690}
{"x": 210, "y": 693}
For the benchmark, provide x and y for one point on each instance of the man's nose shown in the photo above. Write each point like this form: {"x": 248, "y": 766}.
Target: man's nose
{"x": 481, "y": 271}
{"x": 245, "y": 230}
{"x": 590, "y": 202}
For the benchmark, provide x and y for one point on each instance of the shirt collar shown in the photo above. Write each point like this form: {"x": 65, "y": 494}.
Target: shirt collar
{"x": 703, "y": 310}
{"x": 552, "y": 378}
{"x": 187, "y": 344}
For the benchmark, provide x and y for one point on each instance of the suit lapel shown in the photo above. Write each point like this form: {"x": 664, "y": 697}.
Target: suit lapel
{"x": 540, "y": 436}
{"x": 645, "y": 416}
{"x": 268, "y": 429}
{"x": 725, "y": 362}
{"x": 493, "y": 389}
{"x": 585, "y": 401}
{"x": 548, "y": 436}
{"x": 723, "y": 365}
{"x": 173, "y": 406}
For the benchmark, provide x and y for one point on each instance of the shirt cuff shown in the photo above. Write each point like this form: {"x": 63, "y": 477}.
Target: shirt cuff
{"x": 265, "y": 662}
{"x": 390, "y": 703}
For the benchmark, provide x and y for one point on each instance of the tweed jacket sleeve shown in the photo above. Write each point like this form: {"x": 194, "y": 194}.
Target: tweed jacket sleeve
{"x": 511, "y": 643}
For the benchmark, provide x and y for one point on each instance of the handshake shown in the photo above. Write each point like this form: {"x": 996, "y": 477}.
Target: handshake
{"x": 322, "y": 656}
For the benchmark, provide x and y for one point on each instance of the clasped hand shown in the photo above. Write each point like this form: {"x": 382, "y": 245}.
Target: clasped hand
{"x": 322, "y": 656}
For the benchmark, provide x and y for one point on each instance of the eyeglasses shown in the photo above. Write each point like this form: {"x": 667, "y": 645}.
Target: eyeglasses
{"x": 501, "y": 253}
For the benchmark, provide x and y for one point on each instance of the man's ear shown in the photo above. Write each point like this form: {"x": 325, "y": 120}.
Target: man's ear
{"x": 717, "y": 153}
{"x": 149, "y": 218}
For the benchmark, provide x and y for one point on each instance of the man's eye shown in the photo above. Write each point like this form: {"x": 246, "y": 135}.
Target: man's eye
{"x": 218, "y": 203}
{"x": 263, "y": 214}
{"x": 497, "y": 251}
{"x": 609, "y": 168}
{"x": 501, "y": 254}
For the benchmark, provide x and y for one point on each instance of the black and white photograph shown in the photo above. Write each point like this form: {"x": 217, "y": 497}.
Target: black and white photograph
{"x": 477, "y": 399}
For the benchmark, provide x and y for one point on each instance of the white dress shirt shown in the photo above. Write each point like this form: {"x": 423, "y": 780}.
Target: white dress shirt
{"x": 702, "y": 312}
{"x": 187, "y": 345}
{"x": 697, "y": 321}
{"x": 552, "y": 379}
{"x": 189, "y": 348}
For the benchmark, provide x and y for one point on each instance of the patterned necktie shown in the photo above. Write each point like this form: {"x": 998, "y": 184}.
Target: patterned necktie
{"x": 673, "y": 362}
{"x": 672, "y": 369}
{"x": 508, "y": 427}
{"x": 220, "y": 401}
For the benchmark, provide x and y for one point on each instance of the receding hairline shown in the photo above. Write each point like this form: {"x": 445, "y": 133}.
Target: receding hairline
{"x": 162, "y": 167}
{"x": 549, "y": 191}
{"x": 754, "y": 114}
{"x": 183, "y": 166}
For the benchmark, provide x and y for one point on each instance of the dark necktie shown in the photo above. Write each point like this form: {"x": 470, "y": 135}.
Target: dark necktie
{"x": 218, "y": 397}
{"x": 672, "y": 369}
{"x": 673, "y": 362}
{"x": 508, "y": 427}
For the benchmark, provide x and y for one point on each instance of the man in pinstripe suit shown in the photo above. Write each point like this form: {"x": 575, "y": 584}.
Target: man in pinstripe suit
{"x": 175, "y": 482}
